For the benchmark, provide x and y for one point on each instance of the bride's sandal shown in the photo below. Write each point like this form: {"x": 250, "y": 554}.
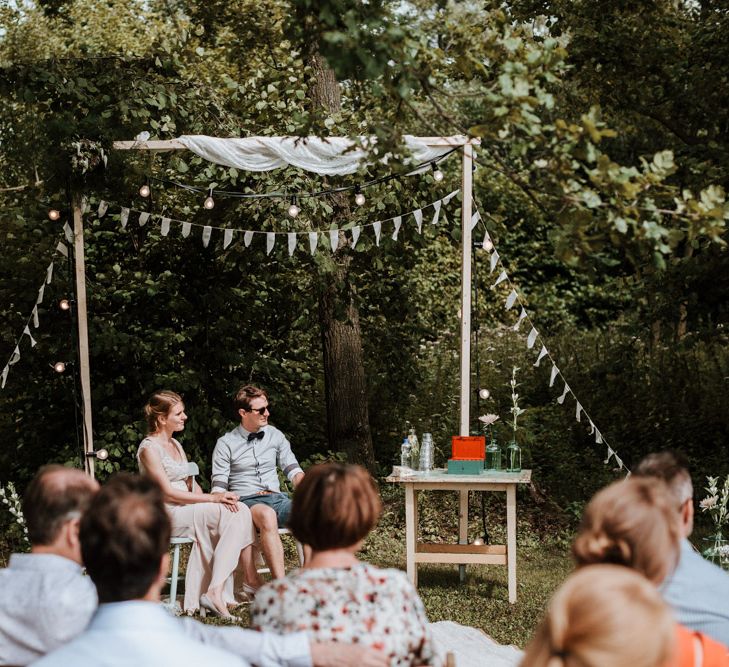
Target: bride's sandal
{"x": 207, "y": 607}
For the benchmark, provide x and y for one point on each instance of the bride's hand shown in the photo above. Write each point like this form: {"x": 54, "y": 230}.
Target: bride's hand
{"x": 227, "y": 498}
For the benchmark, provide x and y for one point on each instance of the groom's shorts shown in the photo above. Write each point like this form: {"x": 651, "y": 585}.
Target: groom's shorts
{"x": 279, "y": 502}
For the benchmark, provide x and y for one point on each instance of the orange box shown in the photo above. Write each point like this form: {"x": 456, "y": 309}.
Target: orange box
{"x": 468, "y": 447}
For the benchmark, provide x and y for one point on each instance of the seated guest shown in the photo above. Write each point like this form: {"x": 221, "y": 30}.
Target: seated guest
{"x": 335, "y": 597}
{"x": 222, "y": 527}
{"x": 634, "y": 523}
{"x": 44, "y": 598}
{"x": 697, "y": 590}
{"x": 125, "y": 544}
{"x": 604, "y": 616}
{"x": 246, "y": 461}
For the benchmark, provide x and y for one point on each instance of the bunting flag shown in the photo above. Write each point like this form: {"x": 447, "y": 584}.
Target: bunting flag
{"x": 227, "y": 238}
{"x": 247, "y": 238}
{"x": 610, "y": 454}
{"x": 61, "y": 249}
{"x": 68, "y": 232}
{"x": 436, "y": 206}
{"x": 513, "y": 299}
{"x": 418, "y": 215}
{"x": 270, "y": 240}
{"x": 103, "y": 206}
{"x": 396, "y": 226}
{"x": 355, "y": 235}
{"x": 334, "y": 239}
{"x": 186, "y": 227}
{"x": 143, "y": 218}
{"x": 475, "y": 219}
{"x": 377, "y": 226}
{"x": 124, "y": 217}
{"x": 206, "y": 233}
{"x": 313, "y": 239}
{"x": 292, "y": 241}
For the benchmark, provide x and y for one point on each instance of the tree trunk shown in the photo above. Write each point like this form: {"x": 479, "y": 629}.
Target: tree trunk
{"x": 345, "y": 385}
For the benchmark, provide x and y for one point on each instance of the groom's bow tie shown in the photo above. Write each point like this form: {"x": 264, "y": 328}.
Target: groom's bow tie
{"x": 258, "y": 435}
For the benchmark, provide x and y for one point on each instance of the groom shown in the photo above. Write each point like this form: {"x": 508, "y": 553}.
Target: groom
{"x": 245, "y": 461}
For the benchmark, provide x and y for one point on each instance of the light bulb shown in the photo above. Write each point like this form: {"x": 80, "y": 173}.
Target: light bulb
{"x": 145, "y": 190}
{"x": 488, "y": 245}
{"x": 478, "y": 542}
{"x": 54, "y": 214}
{"x": 102, "y": 454}
{"x": 209, "y": 201}
{"x": 484, "y": 393}
{"x": 359, "y": 198}
{"x": 437, "y": 173}
{"x": 64, "y": 304}
{"x": 59, "y": 367}
{"x": 294, "y": 210}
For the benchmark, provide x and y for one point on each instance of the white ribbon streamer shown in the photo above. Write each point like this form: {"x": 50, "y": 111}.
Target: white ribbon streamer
{"x": 313, "y": 240}
{"x": 396, "y": 222}
{"x": 511, "y": 299}
{"x": 247, "y": 238}
{"x": 144, "y": 216}
{"x": 206, "y": 234}
{"x": 227, "y": 238}
{"x": 270, "y": 240}
{"x": 560, "y": 400}
{"x": 334, "y": 239}
{"x": 542, "y": 353}
{"x": 532, "y": 338}
{"x": 418, "y": 215}
{"x": 292, "y": 242}
{"x": 377, "y": 227}
{"x": 500, "y": 279}
{"x": 186, "y": 227}
{"x": 165, "y": 227}
{"x": 124, "y": 216}
{"x": 355, "y": 235}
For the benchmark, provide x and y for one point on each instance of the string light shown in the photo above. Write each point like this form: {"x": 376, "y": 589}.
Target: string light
{"x": 483, "y": 394}
{"x": 437, "y": 173}
{"x": 59, "y": 367}
{"x": 488, "y": 244}
{"x": 145, "y": 190}
{"x": 209, "y": 202}
{"x": 359, "y": 198}
{"x": 54, "y": 214}
{"x": 101, "y": 454}
{"x": 294, "y": 210}
{"x": 64, "y": 304}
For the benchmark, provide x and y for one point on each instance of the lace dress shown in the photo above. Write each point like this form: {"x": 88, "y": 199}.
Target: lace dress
{"x": 219, "y": 534}
{"x": 355, "y": 605}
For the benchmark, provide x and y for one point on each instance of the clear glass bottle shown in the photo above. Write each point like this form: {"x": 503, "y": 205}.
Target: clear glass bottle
{"x": 425, "y": 461}
{"x": 493, "y": 455}
{"x": 414, "y": 449}
{"x": 513, "y": 457}
{"x": 405, "y": 453}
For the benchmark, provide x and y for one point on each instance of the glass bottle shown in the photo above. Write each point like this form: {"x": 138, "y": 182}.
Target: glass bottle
{"x": 513, "y": 457}
{"x": 405, "y": 453}
{"x": 425, "y": 462}
{"x": 493, "y": 455}
{"x": 414, "y": 449}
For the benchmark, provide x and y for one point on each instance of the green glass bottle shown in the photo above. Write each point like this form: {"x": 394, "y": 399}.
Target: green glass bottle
{"x": 513, "y": 457}
{"x": 493, "y": 455}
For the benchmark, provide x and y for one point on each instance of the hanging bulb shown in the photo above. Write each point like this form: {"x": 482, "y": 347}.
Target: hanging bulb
{"x": 209, "y": 201}
{"x": 145, "y": 190}
{"x": 102, "y": 454}
{"x": 59, "y": 367}
{"x": 54, "y": 214}
{"x": 484, "y": 394}
{"x": 64, "y": 304}
{"x": 437, "y": 173}
{"x": 478, "y": 542}
{"x": 294, "y": 210}
{"x": 359, "y": 198}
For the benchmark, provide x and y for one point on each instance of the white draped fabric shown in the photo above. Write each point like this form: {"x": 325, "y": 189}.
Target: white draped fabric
{"x": 329, "y": 157}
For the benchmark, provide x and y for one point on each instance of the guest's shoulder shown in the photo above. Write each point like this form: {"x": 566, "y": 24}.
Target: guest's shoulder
{"x": 390, "y": 576}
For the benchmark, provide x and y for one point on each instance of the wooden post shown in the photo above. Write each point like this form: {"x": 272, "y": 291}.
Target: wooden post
{"x": 511, "y": 540}
{"x": 467, "y": 192}
{"x": 83, "y": 334}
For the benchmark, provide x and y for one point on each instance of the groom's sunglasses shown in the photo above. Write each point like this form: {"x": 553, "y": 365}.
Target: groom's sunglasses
{"x": 260, "y": 411}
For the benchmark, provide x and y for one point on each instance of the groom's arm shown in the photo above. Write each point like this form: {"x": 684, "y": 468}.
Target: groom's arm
{"x": 221, "y": 466}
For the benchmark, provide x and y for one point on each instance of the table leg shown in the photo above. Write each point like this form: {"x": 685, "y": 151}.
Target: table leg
{"x": 462, "y": 528}
{"x": 411, "y": 532}
{"x": 511, "y": 539}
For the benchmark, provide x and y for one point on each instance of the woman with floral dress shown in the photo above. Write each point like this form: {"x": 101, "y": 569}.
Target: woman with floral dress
{"x": 335, "y": 597}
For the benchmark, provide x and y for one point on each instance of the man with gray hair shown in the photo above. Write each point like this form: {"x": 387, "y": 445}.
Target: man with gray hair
{"x": 697, "y": 589}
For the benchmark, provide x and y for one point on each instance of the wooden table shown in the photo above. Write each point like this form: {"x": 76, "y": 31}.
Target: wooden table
{"x": 462, "y": 553}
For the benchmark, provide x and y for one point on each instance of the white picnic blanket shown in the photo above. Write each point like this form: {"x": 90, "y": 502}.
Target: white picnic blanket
{"x": 472, "y": 647}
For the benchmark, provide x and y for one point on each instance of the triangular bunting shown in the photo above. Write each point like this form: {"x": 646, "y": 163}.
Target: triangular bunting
{"x": 103, "y": 206}
{"x": 206, "y": 234}
{"x": 292, "y": 242}
{"x": 68, "y": 232}
{"x": 396, "y": 222}
{"x": 377, "y": 226}
{"x": 165, "y": 227}
{"x": 313, "y": 240}
{"x": 144, "y": 216}
{"x": 247, "y": 238}
{"x": 487, "y": 244}
{"x": 6, "y": 370}
{"x": 511, "y": 299}
{"x": 522, "y": 316}
{"x": 619, "y": 461}
{"x": 560, "y": 400}
{"x": 49, "y": 274}
{"x": 598, "y": 437}
{"x": 542, "y": 354}
{"x": 334, "y": 239}
{"x": 124, "y": 217}
{"x": 610, "y": 454}
{"x": 553, "y": 375}
{"x": 532, "y": 338}
{"x": 436, "y": 206}
{"x": 15, "y": 357}
{"x": 449, "y": 196}
{"x": 62, "y": 249}
{"x": 186, "y": 227}
{"x": 578, "y": 411}
{"x": 493, "y": 260}
{"x": 355, "y": 234}
{"x": 42, "y": 289}
{"x": 227, "y": 238}
{"x": 36, "y": 322}
{"x": 474, "y": 219}
{"x": 500, "y": 279}
{"x": 418, "y": 215}
{"x": 592, "y": 428}
{"x": 270, "y": 241}
{"x": 26, "y": 331}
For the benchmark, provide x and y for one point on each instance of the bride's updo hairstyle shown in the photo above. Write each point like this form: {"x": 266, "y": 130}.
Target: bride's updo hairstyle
{"x": 604, "y": 616}
{"x": 159, "y": 405}
{"x": 634, "y": 522}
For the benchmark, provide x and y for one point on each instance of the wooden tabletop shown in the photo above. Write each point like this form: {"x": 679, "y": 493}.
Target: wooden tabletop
{"x": 441, "y": 476}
